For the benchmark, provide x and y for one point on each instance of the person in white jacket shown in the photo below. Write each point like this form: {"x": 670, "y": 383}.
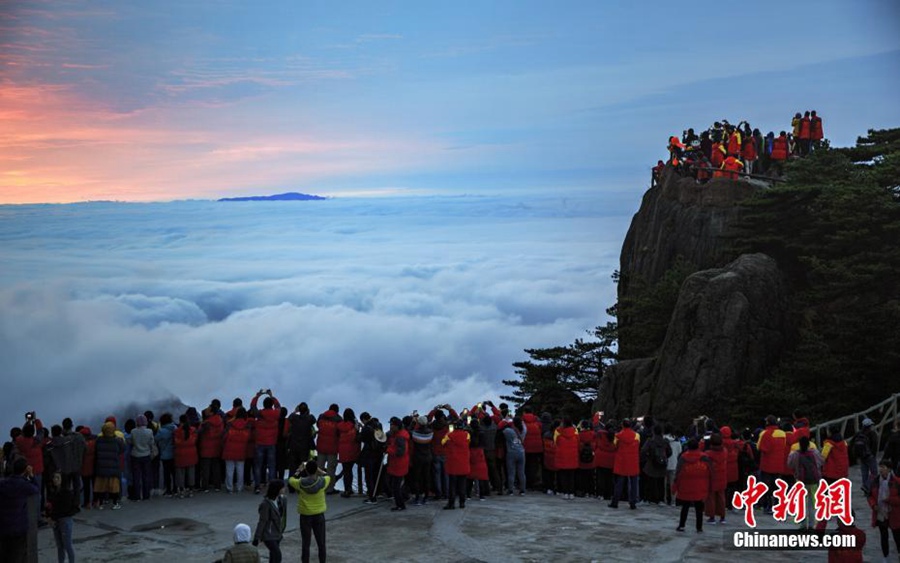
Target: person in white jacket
{"x": 675, "y": 444}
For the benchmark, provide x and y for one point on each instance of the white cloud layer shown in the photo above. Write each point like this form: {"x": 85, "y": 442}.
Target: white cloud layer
{"x": 383, "y": 305}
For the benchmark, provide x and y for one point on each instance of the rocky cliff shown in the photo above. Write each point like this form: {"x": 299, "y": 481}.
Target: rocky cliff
{"x": 727, "y": 327}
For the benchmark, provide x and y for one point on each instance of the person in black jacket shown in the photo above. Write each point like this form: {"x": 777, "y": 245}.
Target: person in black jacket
{"x": 14, "y": 523}
{"x": 272, "y": 520}
{"x": 373, "y": 443}
{"x": 62, "y": 504}
{"x": 300, "y": 437}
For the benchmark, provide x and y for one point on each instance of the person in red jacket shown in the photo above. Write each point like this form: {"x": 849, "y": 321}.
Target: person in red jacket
{"x": 186, "y": 457}
{"x": 772, "y": 457}
{"x": 749, "y": 154}
{"x": 534, "y": 449}
{"x": 398, "y": 461}
{"x": 693, "y": 479}
{"x": 733, "y": 447}
{"x": 627, "y": 465}
{"x": 478, "y": 469}
{"x": 566, "y": 438}
{"x": 734, "y": 142}
{"x": 31, "y": 448}
{"x": 327, "y": 443}
{"x": 266, "y": 428}
{"x": 779, "y": 152}
{"x": 348, "y": 448}
{"x": 456, "y": 447}
{"x": 884, "y": 500}
{"x": 731, "y": 168}
{"x": 587, "y": 454}
{"x": 848, "y": 554}
{"x": 816, "y": 134}
{"x": 804, "y": 134}
{"x": 212, "y": 432}
{"x": 549, "y": 475}
{"x": 604, "y": 460}
{"x": 715, "y": 500}
{"x": 237, "y": 435}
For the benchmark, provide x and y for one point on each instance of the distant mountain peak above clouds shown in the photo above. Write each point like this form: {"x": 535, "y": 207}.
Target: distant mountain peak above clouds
{"x": 289, "y": 196}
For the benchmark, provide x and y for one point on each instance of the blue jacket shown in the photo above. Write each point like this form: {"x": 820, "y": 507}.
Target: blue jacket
{"x": 14, "y": 493}
{"x": 165, "y": 441}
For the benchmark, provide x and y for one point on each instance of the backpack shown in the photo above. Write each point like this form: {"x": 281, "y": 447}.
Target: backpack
{"x": 659, "y": 455}
{"x": 861, "y": 446}
{"x": 586, "y": 453}
{"x": 807, "y": 468}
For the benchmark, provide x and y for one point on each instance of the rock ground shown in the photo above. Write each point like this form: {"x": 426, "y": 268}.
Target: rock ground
{"x": 533, "y": 528}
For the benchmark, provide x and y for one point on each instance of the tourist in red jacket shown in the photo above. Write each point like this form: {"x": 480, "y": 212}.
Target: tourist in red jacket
{"x": 884, "y": 500}
{"x": 604, "y": 459}
{"x": 348, "y": 448}
{"x": 549, "y": 475}
{"x": 31, "y": 447}
{"x": 693, "y": 480}
{"x": 87, "y": 465}
{"x": 234, "y": 452}
{"x": 627, "y": 466}
{"x": 398, "y": 462}
{"x": 749, "y": 154}
{"x": 327, "y": 443}
{"x": 478, "y": 469}
{"x": 266, "y": 434}
{"x": 715, "y": 501}
{"x": 848, "y": 554}
{"x": 534, "y": 448}
{"x": 212, "y": 432}
{"x": 734, "y": 143}
{"x": 186, "y": 457}
{"x": 804, "y": 134}
{"x": 780, "y": 147}
{"x": 816, "y": 133}
{"x": 566, "y": 438}
{"x": 772, "y": 457}
{"x": 587, "y": 454}
{"x": 456, "y": 446}
{"x": 837, "y": 460}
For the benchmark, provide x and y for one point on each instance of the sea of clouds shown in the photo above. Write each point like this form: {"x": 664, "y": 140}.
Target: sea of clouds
{"x": 382, "y": 304}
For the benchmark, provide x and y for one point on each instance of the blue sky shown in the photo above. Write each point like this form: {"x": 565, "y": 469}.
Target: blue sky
{"x": 170, "y": 100}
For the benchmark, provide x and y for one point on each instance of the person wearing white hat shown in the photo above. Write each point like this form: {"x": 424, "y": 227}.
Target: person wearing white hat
{"x": 242, "y": 551}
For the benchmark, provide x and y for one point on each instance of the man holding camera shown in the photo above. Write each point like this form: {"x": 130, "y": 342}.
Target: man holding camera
{"x": 311, "y": 482}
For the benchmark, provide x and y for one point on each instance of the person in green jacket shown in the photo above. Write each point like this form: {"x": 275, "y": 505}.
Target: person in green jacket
{"x": 311, "y": 482}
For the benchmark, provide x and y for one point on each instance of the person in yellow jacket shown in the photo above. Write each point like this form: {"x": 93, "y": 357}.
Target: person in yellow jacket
{"x": 311, "y": 482}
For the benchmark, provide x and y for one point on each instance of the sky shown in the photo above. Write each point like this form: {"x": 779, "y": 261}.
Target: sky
{"x": 379, "y": 304}
{"x": 482, "y": 162}
{"x": 155, "y": 101}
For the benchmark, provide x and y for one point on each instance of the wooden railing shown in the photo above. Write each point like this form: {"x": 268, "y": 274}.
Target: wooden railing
{"x": 883, "y": 415}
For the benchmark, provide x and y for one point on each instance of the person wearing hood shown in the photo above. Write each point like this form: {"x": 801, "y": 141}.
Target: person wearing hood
{"x": 884, "y": 500}
{"x": 627, "y": 466}
{"x": 311, "y": 483}
{"x": 715, "y": 501}
{"x": 108, "y": 448}
{"x": 165, "y": 443}
{"x": 242, "y": 551}
{"x": 534, "y": 449}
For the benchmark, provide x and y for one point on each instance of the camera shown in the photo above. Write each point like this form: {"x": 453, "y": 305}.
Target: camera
{"x": 29, "y": 415}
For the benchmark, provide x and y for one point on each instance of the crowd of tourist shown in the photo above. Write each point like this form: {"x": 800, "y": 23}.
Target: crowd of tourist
{"x": 730, "y": 151}
{"x": 444, "y": 455}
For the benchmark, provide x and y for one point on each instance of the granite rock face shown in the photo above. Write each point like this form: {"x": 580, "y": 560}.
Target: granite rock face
{"x": 727, "y": 329}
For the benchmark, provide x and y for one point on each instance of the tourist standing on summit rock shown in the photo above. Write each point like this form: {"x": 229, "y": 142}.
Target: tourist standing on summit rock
{"x": 805, "y": 134}
{"x": 816, "y": 134}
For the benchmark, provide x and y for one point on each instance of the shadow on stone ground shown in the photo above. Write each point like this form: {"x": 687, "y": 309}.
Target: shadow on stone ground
{"x": 535, "y": 527}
